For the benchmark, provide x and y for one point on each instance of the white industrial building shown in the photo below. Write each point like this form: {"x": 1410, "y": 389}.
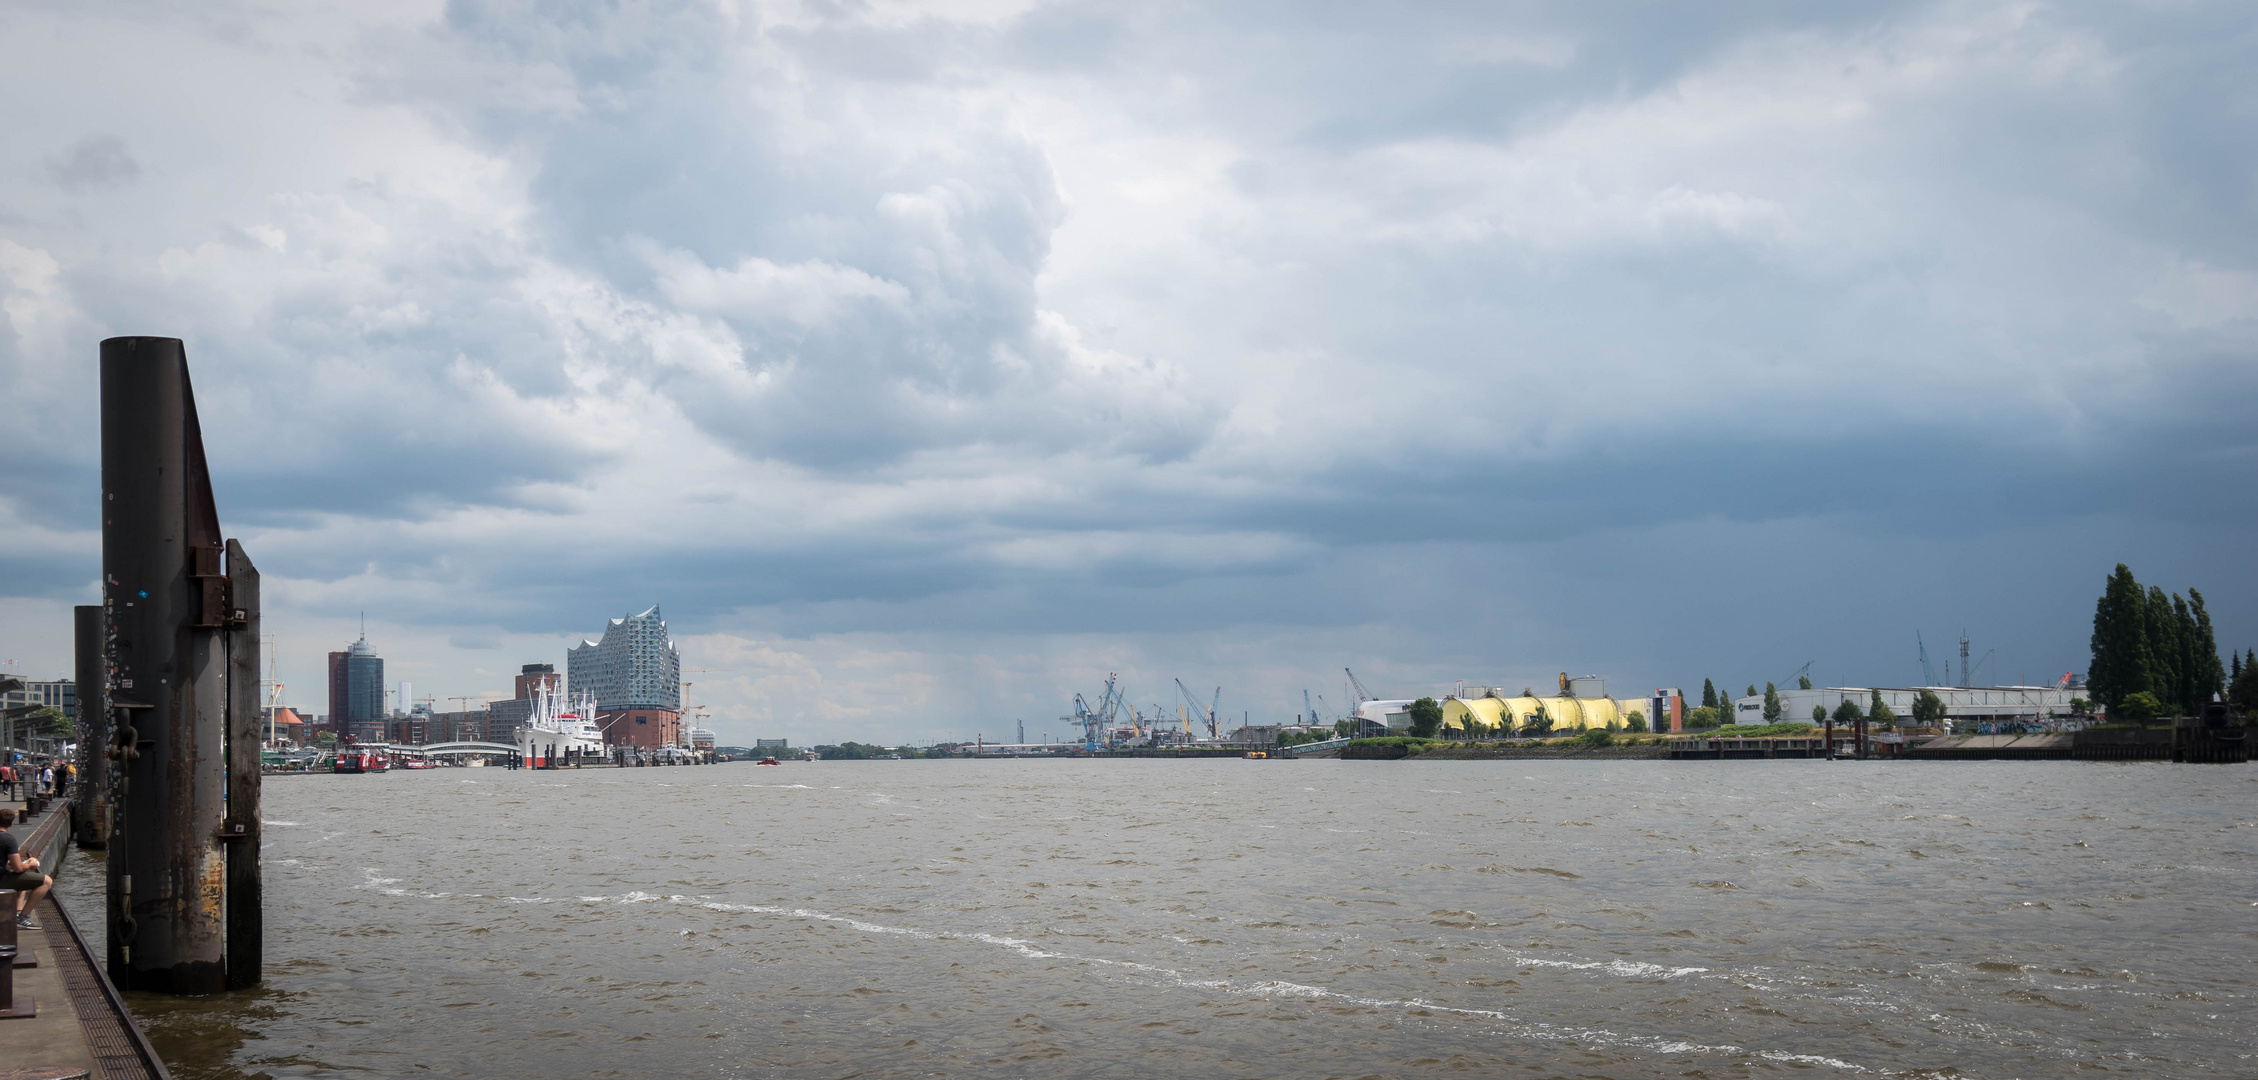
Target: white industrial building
{"x": 1962, "y": 704}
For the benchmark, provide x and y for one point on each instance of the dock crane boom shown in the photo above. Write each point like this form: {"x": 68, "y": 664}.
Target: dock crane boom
{"x": 1980, "y": 666}
{"x": 1362, "y": 695}
{"x": 1311, "y": 709}
{"x": 1095, "y": 719}
{"x": 1200, "y": 712}
{"x": 1928, "y": 677}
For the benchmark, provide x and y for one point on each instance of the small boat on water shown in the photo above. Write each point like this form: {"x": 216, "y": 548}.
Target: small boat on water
{"x": 419, "y": 763}
{"x": 353, "y": 758}
{"x": 768, "y": 761}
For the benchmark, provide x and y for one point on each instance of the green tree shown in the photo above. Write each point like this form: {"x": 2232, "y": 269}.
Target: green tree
{"x": 1772, "y": 706}
{"x": 2165, "y": 650}
{"x": 1880, "y": 710}
{"x": 2242, "y": 692}
{"x": 1709, "y": 694}
{"x": 2209, "y": 677}
{"x": 2186, "y": 666}
{"x": 1751, "y": 690}
{"x": 2139, "y": 708}
{"x": 1928, "y": 709}
{"x": 1818, "y": 714}
{"x": 1540, "y": 721}
{"x": 1635, "y": 720}
{"x": 1803, "y": 682}
{"x": 1847, "y": 712}
{"x": 2120, "y": 641}
{"x": 1426, "y": 716}
{"x": 1701, "y": 716}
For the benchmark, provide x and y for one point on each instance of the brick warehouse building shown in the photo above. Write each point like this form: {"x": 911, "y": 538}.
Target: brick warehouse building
{"x": 635, "y": 672}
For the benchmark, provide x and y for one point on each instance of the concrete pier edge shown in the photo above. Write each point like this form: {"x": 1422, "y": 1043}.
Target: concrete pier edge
{"x": 83, "y": 1021}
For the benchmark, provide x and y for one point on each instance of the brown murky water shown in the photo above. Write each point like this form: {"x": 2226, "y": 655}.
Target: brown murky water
{"x": 1237, "y": 918}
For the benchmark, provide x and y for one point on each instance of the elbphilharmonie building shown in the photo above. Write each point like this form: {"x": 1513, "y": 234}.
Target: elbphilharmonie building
{"x": 635, "y": 673}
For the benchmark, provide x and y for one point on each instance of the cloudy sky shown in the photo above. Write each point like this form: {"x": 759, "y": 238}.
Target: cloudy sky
{"x": 927, "y": 362}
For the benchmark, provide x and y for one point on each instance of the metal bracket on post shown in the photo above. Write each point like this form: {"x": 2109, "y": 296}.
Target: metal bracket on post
{"x": 211, "y": 580}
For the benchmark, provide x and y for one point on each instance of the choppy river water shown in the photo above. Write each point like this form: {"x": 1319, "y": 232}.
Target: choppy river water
{"x": 1246, "y": 918}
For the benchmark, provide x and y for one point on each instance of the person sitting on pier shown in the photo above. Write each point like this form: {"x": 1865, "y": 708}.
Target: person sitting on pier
{"x": 21, "y": 873}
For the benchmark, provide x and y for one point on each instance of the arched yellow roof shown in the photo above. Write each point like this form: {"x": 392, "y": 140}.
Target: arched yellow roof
{"x": 1515, "y": 713}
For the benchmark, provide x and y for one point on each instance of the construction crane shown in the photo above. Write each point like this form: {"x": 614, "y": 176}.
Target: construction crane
{"x": 1362, "y": 695}
{"x": 1095, "y": 718}
{"x": 1799, "y": 673}
{"x": 1310, "y": 709}
{"x": 1971, "y": 680}
{"x": 1928, "y": 677}
{"x": 1200, "y": 712}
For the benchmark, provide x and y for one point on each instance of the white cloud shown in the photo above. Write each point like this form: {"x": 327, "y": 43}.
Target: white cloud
{"x": 926, "y": 360}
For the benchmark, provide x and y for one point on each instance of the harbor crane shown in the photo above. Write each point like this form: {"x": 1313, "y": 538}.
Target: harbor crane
{"x": 1200, "y": 712}
{"x": 1928, "y": 677}
{"x": 1309, "y": 709}
{"x": 1799, "y": 673}
{"x": 1362, "y": 695}
{"x": 1096, "y": 718}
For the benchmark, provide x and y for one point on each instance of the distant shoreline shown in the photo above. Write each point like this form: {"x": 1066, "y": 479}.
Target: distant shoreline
{"x": 1505, "y": 751}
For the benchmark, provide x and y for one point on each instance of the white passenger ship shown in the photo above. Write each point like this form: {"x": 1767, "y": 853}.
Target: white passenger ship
{"x": 554, "y": 738}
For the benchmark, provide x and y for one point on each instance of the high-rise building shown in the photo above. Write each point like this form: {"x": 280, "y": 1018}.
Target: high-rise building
{"x": 635, "y": 673}
{"x": 504, "y": 718}
{"x": 356, "y": 693}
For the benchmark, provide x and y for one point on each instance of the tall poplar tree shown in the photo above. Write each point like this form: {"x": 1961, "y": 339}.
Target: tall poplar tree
{"x": 2120, "y": 641}
{"x": 1772, "y": 707}
{"x": 1708, "y": 693}
{"x": 2164, "y": 650}
{"x": 2209, "y": 678}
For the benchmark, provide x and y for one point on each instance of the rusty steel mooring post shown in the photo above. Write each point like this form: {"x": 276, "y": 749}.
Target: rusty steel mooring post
{"x": 90, "y": 812}
{"x": 173, "y": 624}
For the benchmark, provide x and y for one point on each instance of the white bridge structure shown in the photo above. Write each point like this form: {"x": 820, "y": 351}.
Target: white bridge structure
{"x": 445, "y": 749}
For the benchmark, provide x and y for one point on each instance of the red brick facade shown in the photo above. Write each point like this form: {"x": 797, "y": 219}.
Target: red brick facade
{"x": 647, "y": 728}
{"x": 527, "y": 682}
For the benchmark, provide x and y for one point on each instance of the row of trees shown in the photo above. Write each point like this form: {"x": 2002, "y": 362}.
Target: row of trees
{"x": 1427, "y": 720}
{"x": 2146, "y": 641}
{"x": 2242, "y": 684}
{"x": 1928, "y": 711}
